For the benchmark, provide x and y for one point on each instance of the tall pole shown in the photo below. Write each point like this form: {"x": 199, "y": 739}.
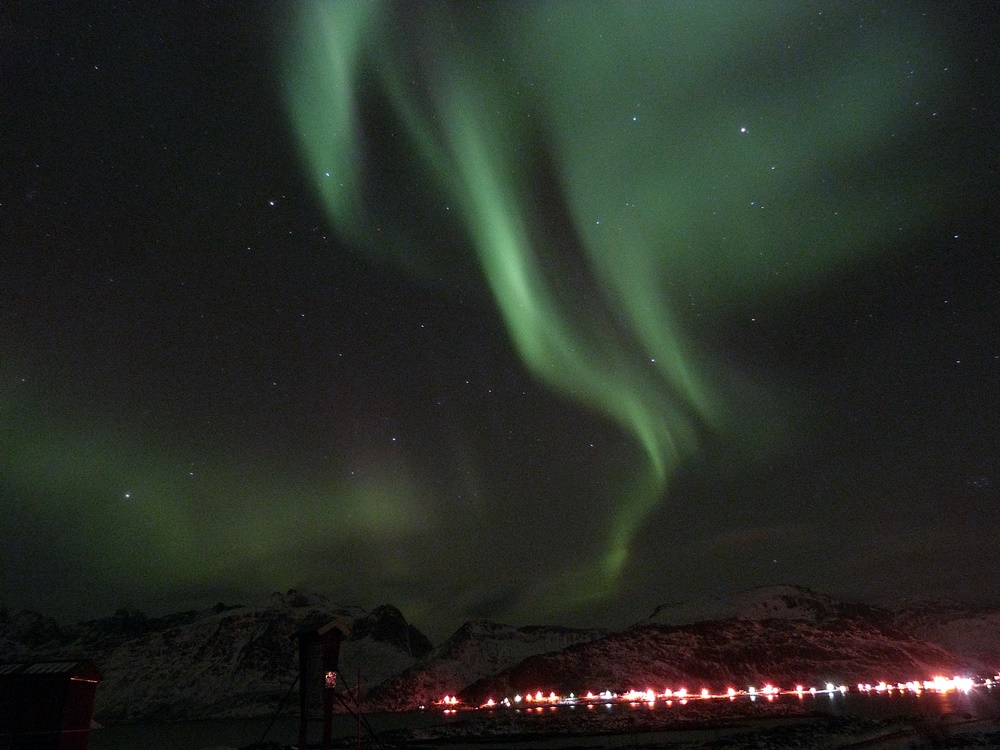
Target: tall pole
{"x": 327, "y": 718}
{"x": 304, "y": 646}
{"x": 331, "y": 650}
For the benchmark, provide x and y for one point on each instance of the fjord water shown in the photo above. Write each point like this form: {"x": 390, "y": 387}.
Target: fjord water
{"x": 236, "y": 733}
{"x": 980, "y": 703}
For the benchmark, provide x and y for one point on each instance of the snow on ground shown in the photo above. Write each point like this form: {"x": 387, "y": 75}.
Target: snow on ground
{"x": 760, "y": 603}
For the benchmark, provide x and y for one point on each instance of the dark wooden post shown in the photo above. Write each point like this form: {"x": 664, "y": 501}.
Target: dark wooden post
{"x": 319, "y": 650}
{"x": 304, "y": 648}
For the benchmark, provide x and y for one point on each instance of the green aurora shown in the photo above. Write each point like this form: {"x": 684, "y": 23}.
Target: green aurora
{"x": 527, "y": 311}
{"x": 608, "y": 163}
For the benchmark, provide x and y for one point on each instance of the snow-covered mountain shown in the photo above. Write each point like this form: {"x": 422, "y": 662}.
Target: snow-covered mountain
{"x": 761, "y": 603}
{"x": 783, "y": 635}
{"x": 720, "y": 654}
{"x": 221, "y": 662}
{"x": 476, "y": 650}
{"x": 231, "y": 661}
{"x": 971, "y": 631}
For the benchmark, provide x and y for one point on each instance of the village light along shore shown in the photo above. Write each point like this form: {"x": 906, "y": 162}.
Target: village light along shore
{"x": 682, "y": 695}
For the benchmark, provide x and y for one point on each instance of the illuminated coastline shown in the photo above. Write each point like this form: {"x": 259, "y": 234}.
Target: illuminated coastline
{"x": 681, "y": 695}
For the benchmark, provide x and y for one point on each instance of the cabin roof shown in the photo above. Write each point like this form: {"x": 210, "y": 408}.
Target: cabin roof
{"x": 79, "y": 668}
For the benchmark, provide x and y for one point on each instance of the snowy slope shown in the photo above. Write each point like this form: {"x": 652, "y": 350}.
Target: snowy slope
{"x": 239, "y": 662}
{"x": 761, "y": 603}
{"x": 231, "y": 661}
{"x": 971, "y": 631}
{"x": 222, "y": 662}
{"x": 727, "y": 653}
{"x": 977, "y": 636}
{"x": 476, "y": 650}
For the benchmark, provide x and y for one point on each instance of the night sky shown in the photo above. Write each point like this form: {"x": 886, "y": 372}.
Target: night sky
{"x": 537, "y": 312}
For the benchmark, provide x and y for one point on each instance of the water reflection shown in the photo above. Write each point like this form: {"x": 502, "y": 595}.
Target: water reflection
{"x": 928, "y": 708}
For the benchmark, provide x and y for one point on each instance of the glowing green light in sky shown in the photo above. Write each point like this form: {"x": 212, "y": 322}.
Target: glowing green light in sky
{"x": 727, "y": 151}
{"x": 166, "y": 527}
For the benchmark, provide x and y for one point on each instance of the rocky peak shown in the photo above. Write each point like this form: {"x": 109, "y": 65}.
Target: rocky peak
{"x": 763, "y": 603}
{"x": 387, "y": 625}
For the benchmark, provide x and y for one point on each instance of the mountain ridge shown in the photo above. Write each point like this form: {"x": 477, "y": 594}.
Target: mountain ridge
{"x": 240, "y": 660}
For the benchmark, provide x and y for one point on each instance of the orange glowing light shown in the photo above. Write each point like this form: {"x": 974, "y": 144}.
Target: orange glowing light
{"x": 648, "y": 696}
